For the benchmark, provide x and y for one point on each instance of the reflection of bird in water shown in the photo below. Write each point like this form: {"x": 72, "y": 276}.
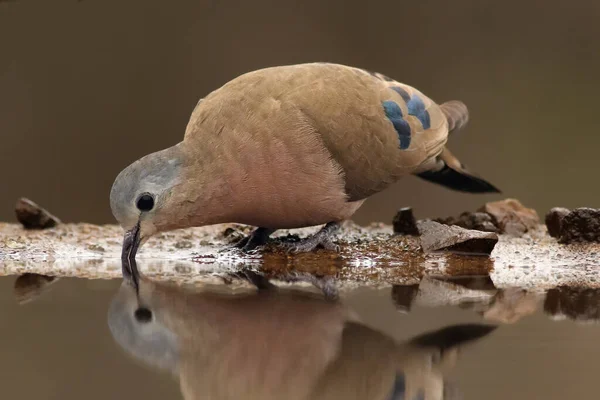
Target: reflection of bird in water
{"x": 280, "y": 344}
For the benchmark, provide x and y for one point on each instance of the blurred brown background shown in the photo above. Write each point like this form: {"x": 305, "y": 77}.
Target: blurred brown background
{"x": 86, "y": 87}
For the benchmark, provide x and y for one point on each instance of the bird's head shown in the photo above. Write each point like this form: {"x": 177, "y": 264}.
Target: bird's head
{"x": 145, "y": 197}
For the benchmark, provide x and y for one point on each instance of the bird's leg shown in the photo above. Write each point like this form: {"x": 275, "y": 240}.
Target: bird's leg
{"x": 258, "y": 237}
{"x": 323, "y": 237}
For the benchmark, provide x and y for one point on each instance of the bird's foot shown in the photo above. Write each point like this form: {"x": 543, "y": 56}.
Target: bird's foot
{"x": 323, "y": 238}
{"x": 259, "y": 237}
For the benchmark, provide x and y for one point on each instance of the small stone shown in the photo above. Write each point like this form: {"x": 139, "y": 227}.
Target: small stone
{"x": 439, "y": 237}
{"x": 512, "y": 217}
{"x": 404, "y": 222}
{"x": 183, "y": 244}
{"x": 95, "y": 247}
{"x": 479, "y": 221}
{"x": 183, "y": 269}
{"x": 32, "y": 216}
{"x": 14, "y": 245}
{"x": 446, "y": 221}
{"x": 471, "y": 220}
{"x": 554, "y": 220}
{"x": 580, "y": 225}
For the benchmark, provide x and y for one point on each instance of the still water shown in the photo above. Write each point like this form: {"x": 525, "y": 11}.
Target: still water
{"x": 457, "y": 339}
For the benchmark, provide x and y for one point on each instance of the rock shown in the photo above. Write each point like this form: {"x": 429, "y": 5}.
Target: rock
{"x": 446, "y": 220}
{"x": 404, "y": 222}
{"x": 471, "y": 220}
{"x": 478, "y": 220}
{"x": 554, "y": 220}
{"x": 32, "y": 216}
{"x": 511, "y": 217}
{"x": 580, "y": 225}
{"x": 95, "y": 247}
{"x": 436, "y": 237}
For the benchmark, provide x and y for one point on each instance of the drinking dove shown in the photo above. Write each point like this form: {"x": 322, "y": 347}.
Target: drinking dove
{"x": 289, "y": 147}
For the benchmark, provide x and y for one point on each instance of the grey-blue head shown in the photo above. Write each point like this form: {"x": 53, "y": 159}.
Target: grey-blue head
{"x": 144, "y": 199}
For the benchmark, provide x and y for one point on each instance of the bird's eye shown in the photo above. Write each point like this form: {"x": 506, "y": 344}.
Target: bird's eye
{"x": 145, "y": 202}
{"x": 143, "y": 315}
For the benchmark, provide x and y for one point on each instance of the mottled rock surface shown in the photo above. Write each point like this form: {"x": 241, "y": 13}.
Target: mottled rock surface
{"x": 479, "y": 221}
{"x": 512, "y": 217}
{"x": 579, "y": 226}
{"x": 437, "y": 237}
{"x": 372, "y": 255}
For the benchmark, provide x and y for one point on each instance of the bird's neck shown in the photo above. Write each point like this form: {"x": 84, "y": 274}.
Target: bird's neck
{"x": 208, "y": 189}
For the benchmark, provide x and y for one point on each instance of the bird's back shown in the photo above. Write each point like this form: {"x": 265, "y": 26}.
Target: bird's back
{"x": 376, "y": 129}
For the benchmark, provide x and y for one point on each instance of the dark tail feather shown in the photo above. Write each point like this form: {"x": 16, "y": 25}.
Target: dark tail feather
{"x": 459, "y": 181}
{"x": 449, "y": 172}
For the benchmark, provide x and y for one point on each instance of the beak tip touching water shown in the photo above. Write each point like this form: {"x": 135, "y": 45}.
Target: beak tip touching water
{"x": 131, "y": 243}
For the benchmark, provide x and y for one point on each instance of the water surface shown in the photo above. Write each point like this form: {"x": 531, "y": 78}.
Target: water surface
{"x": 435, "y": 337}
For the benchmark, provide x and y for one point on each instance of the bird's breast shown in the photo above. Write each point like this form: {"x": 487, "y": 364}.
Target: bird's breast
{"x": 288, "y": 179}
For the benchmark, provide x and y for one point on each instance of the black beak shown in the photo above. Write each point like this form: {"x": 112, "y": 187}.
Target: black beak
{"x": 131, "y": 243}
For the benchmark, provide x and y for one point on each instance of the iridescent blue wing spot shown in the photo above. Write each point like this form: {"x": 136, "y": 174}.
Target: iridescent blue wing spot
{"x": 401, "y": 92}
{"x": 416, "y": 107}
{"x": 394, "y": 114}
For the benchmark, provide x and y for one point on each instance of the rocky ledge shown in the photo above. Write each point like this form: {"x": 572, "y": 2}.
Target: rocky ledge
{"x": 511, "y": 247}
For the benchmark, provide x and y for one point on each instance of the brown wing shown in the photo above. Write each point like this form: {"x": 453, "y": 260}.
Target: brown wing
{"x": 376, "y": 129}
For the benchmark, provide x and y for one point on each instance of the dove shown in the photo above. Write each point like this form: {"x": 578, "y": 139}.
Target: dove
{"x": 278, "y": 344}
{"x": 289, "y": 147}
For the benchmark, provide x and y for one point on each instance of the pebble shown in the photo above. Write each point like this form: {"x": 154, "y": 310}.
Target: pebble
{"x": 32, "y": 216}
{"x": 512, "y": 217}
{"x": 405, "y": 223}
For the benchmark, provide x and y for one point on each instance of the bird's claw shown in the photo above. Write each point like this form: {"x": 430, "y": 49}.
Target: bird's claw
{"x": 254, "y": 241}
{"x": 323, "y": 238}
